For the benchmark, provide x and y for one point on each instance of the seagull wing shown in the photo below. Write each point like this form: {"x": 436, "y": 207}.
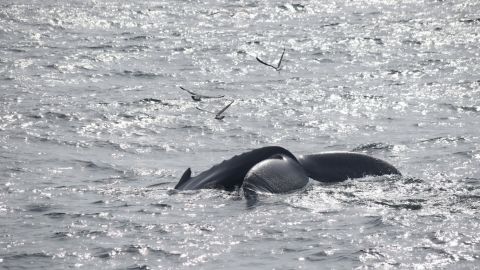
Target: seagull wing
{"x": 199, "y": 95}
{"x": 219, "y": 96}
{"x": 281, "y": 58}
{"x": 225, "y": 108}
{"x": 266, "y": 64}
{"x": 188, "y": 91}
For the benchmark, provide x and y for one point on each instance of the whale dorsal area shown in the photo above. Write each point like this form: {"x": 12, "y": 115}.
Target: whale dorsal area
{"x": 229, "y": 174}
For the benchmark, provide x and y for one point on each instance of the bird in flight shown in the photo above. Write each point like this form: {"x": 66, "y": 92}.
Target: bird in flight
{"x": 218, "y": 115}
{"x": 198, "y": 97}
{"x": 277, "y": 68}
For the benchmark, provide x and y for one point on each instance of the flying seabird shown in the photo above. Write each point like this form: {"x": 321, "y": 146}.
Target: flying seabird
{"x": 198, "y": 97}
{"x": 277, "y": 68}
{"x": 218, "y": 115}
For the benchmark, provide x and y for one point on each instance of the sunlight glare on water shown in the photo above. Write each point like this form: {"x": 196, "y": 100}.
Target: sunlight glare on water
{"x": 95, "y": 132}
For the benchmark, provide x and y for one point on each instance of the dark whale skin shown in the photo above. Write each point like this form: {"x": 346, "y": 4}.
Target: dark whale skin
{"x": 339, "y": 166}
{"x": 274, "y": 169}
{"x": 277, "y": 174}
{"x": 229, "y": 174}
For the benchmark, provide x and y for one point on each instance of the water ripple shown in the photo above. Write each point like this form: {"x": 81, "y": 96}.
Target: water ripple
{"x": 95, "y": 132}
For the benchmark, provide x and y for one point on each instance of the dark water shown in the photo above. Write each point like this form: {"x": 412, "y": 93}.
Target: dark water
{"x": 95, "y": 132}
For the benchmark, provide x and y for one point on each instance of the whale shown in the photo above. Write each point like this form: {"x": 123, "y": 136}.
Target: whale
{"x": 278, "y": 174}
{"x": 340, "y": 166}
{"x": 229, "y": 174}
{"x": 274, "y": 169}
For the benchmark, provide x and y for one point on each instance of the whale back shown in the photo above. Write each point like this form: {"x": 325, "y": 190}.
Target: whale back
{"x": 185, "y": 177}
{"x": 229, "y": 174}
{"x": 277, "y": 174}
{"x": 340, "y": 166}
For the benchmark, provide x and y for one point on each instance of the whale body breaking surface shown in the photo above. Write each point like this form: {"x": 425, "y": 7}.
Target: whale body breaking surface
{"x": 274, "y": 169}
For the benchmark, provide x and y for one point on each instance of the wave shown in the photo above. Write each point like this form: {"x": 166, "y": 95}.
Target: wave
{"x": 100, "y": 47}
{"x": 409, "y": 205}
{"x": 110, "y": 252}
{"x": 442, "y": 139}
{"x": 56, "y": 215}
{"x": 140, "y": 74}
{"x": 373, "y": 146}
{"x": 470, "y": 21}
{"x": 51, "y": 115}
{"x": 98, "y": 166}
{"x": 38, "y": 207}
{"x": 138, "y": 267}
{"x": 20, "y": 256}
{"x": 462, "y": 108}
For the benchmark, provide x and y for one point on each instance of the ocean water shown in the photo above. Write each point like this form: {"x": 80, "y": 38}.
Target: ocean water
{"x": 95, "y": 132}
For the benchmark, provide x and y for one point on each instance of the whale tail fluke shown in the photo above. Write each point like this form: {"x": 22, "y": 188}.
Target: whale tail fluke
{"x": 340, "y": 166}
{"x": 185, "y": 177}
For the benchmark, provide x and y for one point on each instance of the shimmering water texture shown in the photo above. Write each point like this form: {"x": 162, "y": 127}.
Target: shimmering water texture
{"x": 95, "y": 132}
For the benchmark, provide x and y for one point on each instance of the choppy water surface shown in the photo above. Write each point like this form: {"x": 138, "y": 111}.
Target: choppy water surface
{"x": 95, "y": 132}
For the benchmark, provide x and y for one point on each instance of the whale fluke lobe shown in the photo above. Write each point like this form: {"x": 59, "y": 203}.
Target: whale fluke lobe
{"x": 340, "y": 166}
